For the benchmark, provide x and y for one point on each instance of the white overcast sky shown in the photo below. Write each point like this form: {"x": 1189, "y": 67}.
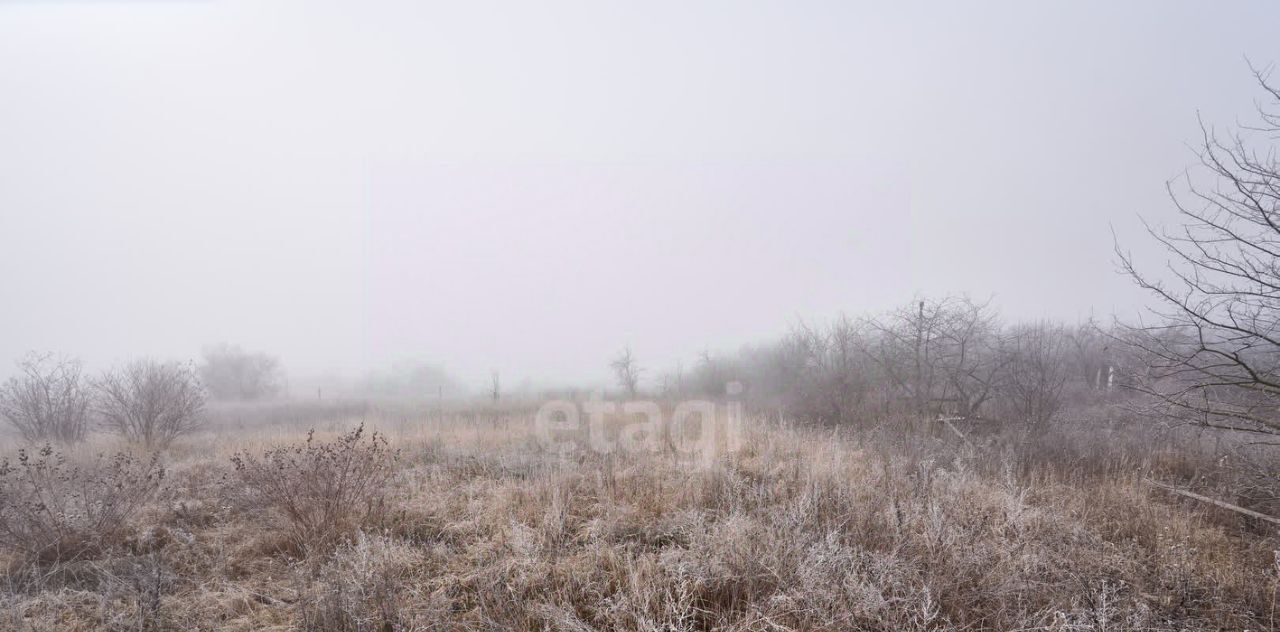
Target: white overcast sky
{"x": 529, "y": 186}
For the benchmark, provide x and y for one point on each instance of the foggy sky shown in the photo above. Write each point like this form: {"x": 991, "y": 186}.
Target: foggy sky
{"x": 530, "y": 186}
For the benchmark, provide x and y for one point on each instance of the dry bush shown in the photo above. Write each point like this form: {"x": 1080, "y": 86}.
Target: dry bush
{"x": 48, "y": 400}
{"x": 151, "y": 402}
{"x": 324, "y": 490}
{"x": 52, "y": 510}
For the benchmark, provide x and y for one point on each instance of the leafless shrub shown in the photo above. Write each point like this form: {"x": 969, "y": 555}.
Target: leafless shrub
{"x": 48, "y": 400}
{"x": 324, "y": 490}
{"x": 55, "y": 511}
{"x": 150, "y": 402}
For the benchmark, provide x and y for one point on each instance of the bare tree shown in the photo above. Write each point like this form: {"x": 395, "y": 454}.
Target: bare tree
{"x": 832, "y": 376}
{"x": 1090, "y": 362}
{"x": 231, "y": 373}
{"x": 672, "y": 382}
{"x": 940, "y": 355}
{"x": 709, "y": 374}
{"x": 1212, "y": 353}
{"x": 150, "y": 402}
{"x": 48, "y": 400}
{"x": 1035, "y": 372}
{"x": 969, "y": 357}
{"x": 903, "y": 350}
{"x": 627, "y": 371}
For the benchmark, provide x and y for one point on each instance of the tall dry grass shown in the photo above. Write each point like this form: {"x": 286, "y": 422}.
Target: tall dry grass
{"x": 900, "y": 526}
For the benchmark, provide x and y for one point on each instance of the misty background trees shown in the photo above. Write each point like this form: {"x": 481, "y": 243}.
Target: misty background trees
{"x": 231, "y": 373}
{"x": 949, "y": 357}
{"x": 409, "y": 380}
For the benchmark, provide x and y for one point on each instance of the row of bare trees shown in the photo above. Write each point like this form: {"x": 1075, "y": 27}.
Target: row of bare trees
{"x": 153, "y": 403}
{"x": 949, "y": 356}
{"x": 149, "y": 402}
{"x": 937, "y": 357}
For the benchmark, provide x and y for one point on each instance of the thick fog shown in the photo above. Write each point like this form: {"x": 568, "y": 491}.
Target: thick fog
{"x": 528, "y": 187}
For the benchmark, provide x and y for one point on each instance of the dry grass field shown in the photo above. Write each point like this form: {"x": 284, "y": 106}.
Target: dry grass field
{"x": 463, "y": 521}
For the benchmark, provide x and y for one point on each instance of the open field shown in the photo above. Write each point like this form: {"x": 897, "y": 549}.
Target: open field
{"x": 896, "y": 526}
{"x": 802, "y": 316}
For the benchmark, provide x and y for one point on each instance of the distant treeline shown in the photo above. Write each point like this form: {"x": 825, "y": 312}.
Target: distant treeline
{"x": 950, "y": 356}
